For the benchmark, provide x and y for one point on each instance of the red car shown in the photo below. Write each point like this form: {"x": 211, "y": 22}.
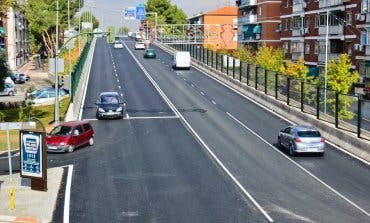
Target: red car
{"x": 70, "y": 135}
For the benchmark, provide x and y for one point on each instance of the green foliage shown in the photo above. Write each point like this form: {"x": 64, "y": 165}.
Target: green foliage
{"x": 111, "y": 34}
{"x": 4, "y": 69}
{"x": 85, "y": 17}
{"x": 123, "y": 30}
{"x": 271, "y": 59}
{"x": 41, "y": 18}
{"x": 167, "y": 13}
{"x": 298, "y": 70}
{"x": 24, "y": 113}
{"x": 245, "y": 54}
{"x": 340, "y": 77}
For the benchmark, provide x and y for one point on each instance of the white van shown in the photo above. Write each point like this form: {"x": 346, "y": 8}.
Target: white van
{"x": 181, "y": 59}
{"x": 9, "y": 87}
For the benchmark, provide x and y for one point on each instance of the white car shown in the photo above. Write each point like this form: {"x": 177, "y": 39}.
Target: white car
{"x": 118, "y": 45}
{"x": 139, "y": 46}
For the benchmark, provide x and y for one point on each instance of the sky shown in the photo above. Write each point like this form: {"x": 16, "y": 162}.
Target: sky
{"x": 110, "y": 12}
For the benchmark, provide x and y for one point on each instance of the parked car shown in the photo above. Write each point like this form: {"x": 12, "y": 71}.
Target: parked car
{"x": 118, "y": 45}
{"x": 68, "y": 136}
{"x": 139, "y": 46}
{"x": 9, "y": 89}
{"x": 45, "y": 95}
{"x": 23, "y": 76}
{"x": 110, "y": 105}
{"x": 149, "y": 53}
{"x": 17, "y": 79}
{"x": 181, "y": 59}
{"x": 301, "y": 139}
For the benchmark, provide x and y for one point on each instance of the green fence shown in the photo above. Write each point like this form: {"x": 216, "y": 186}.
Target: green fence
{"x": 77, "y": 70}
{"x": 347, "y": 112}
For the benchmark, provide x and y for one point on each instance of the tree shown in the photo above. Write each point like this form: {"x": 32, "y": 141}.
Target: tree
{"x": 340, "y": 78}
{"x": 85, "y": 17}
{"x": 271, "y": 59}
{"x": 41, "y": 19}
{"x": 245, "y": 54}
{"x": 170, "y": 13}
{"x": 4, "y": 69}
{"x": 111, "y": 34}
{"x": 123, "y": 30}
{"x": 297, "y": 70}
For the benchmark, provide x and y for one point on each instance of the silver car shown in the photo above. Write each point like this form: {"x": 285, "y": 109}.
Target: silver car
{"x": 301, "y": 139}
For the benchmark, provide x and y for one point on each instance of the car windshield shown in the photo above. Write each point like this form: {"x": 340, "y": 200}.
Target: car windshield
{"x": 109, "y": 99}
{"x": 61, "y": 131}
{"x": 309, "y": 134}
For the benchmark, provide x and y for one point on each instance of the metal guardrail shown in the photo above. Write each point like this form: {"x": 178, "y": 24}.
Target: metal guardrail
{"x": 347, "y": 112}
{"x": 77, "y": 71}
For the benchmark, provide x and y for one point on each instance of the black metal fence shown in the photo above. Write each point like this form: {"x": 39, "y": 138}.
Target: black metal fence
{"x": 347, "y": 112}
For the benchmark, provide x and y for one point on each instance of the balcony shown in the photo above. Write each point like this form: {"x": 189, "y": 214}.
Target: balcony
{"x": 297, "y": 55}
{"x": 247, "y": 3}
{"x": 247, "y": 19}
{"x": 333, "y": 30}
{"x": 299, "y": 7}
{"x": 328, "y": 3}
{"x": 367, "y": 50}
{"x": 331, "y": 56}
{"x": 299, "y": 31}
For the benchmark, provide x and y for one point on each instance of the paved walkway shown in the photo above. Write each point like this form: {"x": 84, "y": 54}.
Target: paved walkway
{"x": 30, "y": 205}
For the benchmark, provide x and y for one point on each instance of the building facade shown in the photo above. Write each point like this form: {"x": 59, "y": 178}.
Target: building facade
{"x": 218, "y": 27}
{"x": 258, "y": 22}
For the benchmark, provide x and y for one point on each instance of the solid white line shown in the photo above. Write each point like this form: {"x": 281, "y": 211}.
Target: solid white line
{"x": 119, "y": 86}
{"x": 90, "y": 119}
{"x": 87, "y": 82}
{"x": 127, "y": 116}
{"x": 278, "y": 115}
{"x": 67, "y": 196}
{"x": 213, "y": 102}
{"x": 200, "y": 140}
{"x": 153, "y": 117}
{"x": 298, "y": 165}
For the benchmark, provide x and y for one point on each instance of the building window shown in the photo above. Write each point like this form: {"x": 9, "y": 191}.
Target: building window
{"x": 349, "y": 49}
{"x": 316, "y": 47}
{"x": 333, "y": 20}
{"x": 307, "y": 22}
{"x": 286, "y": 47}
{"x": 286, "y": 24}
{"x": 349, "y": 18}
{"x": 307, "y": 48}
{"x": 297, "y": 47}
{"x": 286, "y": 3}
{"x": 365, "y": 5}
{"x": 316, "y": 21}
{"x": 367, "y": 34}
{"x": 297, "y": 22}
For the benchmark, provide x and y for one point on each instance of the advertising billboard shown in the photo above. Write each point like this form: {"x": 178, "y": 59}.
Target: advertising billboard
{"x": 32, "y": 154}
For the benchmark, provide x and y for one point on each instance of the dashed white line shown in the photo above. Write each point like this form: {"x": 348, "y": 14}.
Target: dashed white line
{"x": 202, "y": 93}
{"x": 119, "y": 86}
{"x": 213, "y": 102}
{"x": 152, "y": 117}
{"x": 192, "y": 85}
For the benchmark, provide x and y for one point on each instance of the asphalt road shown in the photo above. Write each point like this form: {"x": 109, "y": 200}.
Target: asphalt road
{"x": 150, "y": 167}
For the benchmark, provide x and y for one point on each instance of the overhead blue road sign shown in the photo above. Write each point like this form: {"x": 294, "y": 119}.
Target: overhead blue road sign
{"x": 129, "y": 13}
{"x": 140, "y": 12}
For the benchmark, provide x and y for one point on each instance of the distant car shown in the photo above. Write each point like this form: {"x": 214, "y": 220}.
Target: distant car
{"x": 45, "y": 95}
{"x": 68, "y": 136}
{"x": 23, "y": 76}
{"x": 110, "y": 105}
{"x": 118, "y": 45}
{"x": 181, "y": 60}
{"x": 301, "y": 139}
{"x": 17, "y": 78}
{"x": 149, "y": 53}
{"x": 9, "y": 89}
{"x": 139, "y": 46}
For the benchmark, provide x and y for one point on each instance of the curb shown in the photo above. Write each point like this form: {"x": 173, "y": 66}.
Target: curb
{"x": 8, "y": 219}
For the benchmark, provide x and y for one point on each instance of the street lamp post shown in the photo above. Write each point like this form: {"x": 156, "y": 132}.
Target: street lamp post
{"x": 326, "y": 60}
{"x": 56, "y": 104}
{"x": 69, "y": 48}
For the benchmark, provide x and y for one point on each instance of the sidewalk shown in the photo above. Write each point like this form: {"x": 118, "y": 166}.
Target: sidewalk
{"x": 30, "y": 205}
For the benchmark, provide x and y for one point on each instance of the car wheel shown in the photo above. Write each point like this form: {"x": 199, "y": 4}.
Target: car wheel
{"x": 71, "y": 149}
{"x": 11, "y": 93}
{"x": 279, "y": 142}
{"x": 291, "y": 150}
{"x": 91, "y": 141}
{"x": 98, "y": 116}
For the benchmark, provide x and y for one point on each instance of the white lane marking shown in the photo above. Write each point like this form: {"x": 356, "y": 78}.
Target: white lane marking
{"x": 121, "y": 95}
{"x": 67, "y": 196}
{"x": 278, "y": 115}
{"x": 192, "y": 85}
{"x": 184, "y": 79}
{"x": 90, "y": 119}
{"x": 119, "y": 86}
{"x": 152, "y": 117}
{"x": 200, "y": 140}
{"x": 14, "y": 155}
{"x": 117, "y": 80}
{"x": 87, "y": 83}
{"x": 127, "y": 116}
{"x": 213, "y": 102}
{"x": 298, "y": 165}
{"x": 202, "y": 93}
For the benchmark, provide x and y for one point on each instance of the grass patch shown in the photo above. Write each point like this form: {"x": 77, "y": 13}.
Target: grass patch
{"x": 44, "y": 113}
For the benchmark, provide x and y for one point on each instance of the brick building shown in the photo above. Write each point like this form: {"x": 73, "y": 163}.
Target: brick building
{"x": 221, "y": 21}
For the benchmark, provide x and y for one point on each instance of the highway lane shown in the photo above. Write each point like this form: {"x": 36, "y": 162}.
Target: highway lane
{"x": 285, "y": 190}
{"x": 344, "y": 173}
{"x": 147, "y": 170}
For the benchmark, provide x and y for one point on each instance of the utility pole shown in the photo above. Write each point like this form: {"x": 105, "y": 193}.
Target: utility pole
{"x": 326, "y": 59}
{"x": 79, "y": 27}
{"x": 56, "y": 104}
{"x": 69, "y": 48}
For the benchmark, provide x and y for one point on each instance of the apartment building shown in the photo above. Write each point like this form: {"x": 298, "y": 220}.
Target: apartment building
{"x": 14, "y": 37}
{"x": 218, "y": 27}
{"x": 259, "y": 22}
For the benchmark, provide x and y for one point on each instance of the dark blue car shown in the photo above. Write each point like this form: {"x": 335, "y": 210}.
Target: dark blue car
{"x": 110, "y": 105}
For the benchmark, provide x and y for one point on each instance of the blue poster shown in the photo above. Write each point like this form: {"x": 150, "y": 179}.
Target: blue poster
{"x": 31, "y": 154}
{"x": 129, "y": 13}
{"x": 140, "y": 12}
